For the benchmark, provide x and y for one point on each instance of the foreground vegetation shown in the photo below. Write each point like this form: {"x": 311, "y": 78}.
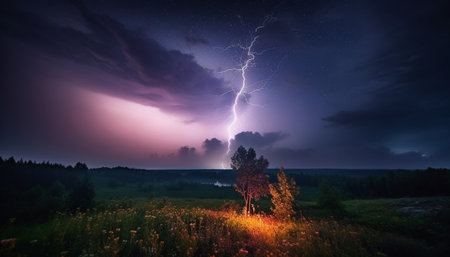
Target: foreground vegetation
{"x": 52, "y": 210}
{"x": 160, "y": 228}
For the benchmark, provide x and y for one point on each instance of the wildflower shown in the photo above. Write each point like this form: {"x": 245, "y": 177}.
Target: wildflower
{"x": 243, "y": 251}
{"x": 8, "y": 240}
{"x": 317, "y": 232}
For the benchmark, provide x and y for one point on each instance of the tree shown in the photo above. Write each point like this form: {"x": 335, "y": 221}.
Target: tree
{"x": 251, "y": 182}
{"x": 329, "y": 197}
{"x": 81, "y": 166}
{"x": 283, "y": 195}
{"x": 82, "y": 196}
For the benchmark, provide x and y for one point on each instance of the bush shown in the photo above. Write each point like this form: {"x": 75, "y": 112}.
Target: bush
{"x": 283, "y": 195}
{"x": 329, "y": 197}
{"x": 82, "y": 196}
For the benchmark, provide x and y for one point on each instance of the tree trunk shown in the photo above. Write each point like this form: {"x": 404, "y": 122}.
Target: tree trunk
{"x": 249, "y": 206}
{"x": 246, "y": 205}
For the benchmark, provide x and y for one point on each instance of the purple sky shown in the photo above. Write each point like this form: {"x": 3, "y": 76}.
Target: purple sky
{"x": 335, "y": 84}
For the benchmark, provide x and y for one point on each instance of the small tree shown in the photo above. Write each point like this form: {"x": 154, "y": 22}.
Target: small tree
{"x": 329, "y": 197}
{"x": 251, "y": 182}
{"x": 283, "y": 196}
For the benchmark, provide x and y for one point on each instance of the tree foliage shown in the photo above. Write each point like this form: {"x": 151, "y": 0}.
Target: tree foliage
{"x": 83, "y": 195}
{"x": 81, "y": 166}
{"x": 283, "y": 196}
{"x": 251, "y": 182}
{"x": 329, "y": 197}
{"x": 31, "y": 191}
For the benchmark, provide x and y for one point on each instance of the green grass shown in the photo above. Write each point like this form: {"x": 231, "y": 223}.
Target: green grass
{"x": 178, "y": 227}
{"x": 160, "y": 229}
{"x": 182, "y": 219}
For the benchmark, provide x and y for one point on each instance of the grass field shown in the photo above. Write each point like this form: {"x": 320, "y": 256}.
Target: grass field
{"x": 148, "y": 213}
{"x": 211, "y": 227}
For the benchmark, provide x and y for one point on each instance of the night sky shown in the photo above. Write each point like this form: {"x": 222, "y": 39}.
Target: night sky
{"x": 151, "y": 84}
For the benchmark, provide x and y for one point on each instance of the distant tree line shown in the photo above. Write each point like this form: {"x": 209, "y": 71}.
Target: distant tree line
{"x": 418, "y": 183}
{"x": 31, "y": 191}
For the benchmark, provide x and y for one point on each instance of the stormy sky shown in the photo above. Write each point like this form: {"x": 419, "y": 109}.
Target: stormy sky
{"x": 151, "y": 84}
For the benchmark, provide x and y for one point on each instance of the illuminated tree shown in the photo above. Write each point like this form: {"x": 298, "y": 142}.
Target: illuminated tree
{"x": 251, "y": 182}
{"x": 283, "y": 195}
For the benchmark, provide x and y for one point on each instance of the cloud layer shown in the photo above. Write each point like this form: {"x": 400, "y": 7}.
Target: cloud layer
{"x": 155, "y": 76}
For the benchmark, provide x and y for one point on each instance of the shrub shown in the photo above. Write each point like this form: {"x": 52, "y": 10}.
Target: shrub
{"x": 283, "y": 195}
{"x": 329, "y": 197}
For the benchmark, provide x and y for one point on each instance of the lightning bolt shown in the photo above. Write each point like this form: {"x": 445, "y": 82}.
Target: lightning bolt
{"x": 250, "y": 57}
{"x": 243, "y": 70}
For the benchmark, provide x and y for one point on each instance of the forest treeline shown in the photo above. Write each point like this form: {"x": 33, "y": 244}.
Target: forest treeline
{"x": 401, "y": 183}
{"x": 31, "y": 191}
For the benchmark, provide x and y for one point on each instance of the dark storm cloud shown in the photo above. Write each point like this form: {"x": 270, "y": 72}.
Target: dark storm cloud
{"x": 340, "y": 157}
{"x": 186, "y": 152}
{"x": 364, "y": 118}
{"x": 213, "y": 147}
{"x": 214, "y": 153}
{"x": 167, "y": 79}
{"x": 193, "y": 40}
{"x": 343, "y": 157}
{"x": 185, "y": 157}
{"x": 413, "y": 72}
{"x": 189, "y": 157}
{"x": 256, "y": 140}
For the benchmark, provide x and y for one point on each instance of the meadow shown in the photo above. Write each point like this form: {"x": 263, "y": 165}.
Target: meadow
{"x": 131, "y": 216}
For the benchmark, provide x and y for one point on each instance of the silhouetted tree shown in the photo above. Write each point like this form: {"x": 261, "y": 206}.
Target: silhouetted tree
{"x": 251, "y": 182}
{"x": 329, "y": 197}
{"x": 11, "y": 161}
{"x": 82, "y": 196}
{"x": 81, "y": 166}
{"x": 283, "y": 196}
